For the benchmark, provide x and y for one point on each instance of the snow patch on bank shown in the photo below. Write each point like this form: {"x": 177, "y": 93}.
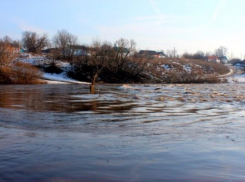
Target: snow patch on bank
{"x": 51, "y": 78}
{"x": 237, "y": 79}
{"x": 187, "y": 68}
{"x": 62, "y": 77}
{"x": 166, "y": 67}
{"x": 33, "y": 60}
{"x": 126, "y": 87}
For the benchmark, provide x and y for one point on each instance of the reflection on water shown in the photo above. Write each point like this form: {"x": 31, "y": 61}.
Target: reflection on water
{"x": 122, "y": 133}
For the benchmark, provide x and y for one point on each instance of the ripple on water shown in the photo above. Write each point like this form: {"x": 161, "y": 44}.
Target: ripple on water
{"x": 142, "y": 132}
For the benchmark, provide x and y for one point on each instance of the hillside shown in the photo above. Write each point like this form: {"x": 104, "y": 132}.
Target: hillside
{"x": 167, "y": 70}
{"x": 181, "y": 70}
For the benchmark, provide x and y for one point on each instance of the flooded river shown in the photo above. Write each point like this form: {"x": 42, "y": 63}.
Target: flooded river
{"x": 122, "y": 133}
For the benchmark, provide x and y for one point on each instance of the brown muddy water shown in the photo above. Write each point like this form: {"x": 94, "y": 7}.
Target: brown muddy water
{"x": 122, "y": 133}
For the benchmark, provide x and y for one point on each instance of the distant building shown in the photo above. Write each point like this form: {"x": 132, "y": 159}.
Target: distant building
{"x": 79, "y": 50}
{"x": 214, "y": 59}
{"x": 154, "y": 54}
{"x": 49, "y": 50}
{"x": 122, "y": 51}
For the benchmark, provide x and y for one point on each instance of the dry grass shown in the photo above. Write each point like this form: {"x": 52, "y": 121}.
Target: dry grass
{"x": 208, "y": 67}
{"x": 7, "y": 54}
{"x": 181, "y": 70}
{"x": 19, "y": 73}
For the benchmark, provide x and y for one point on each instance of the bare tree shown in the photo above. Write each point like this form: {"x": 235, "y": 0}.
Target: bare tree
{"x": 33, "y": 42}
{"x": 65, "y": 42}
{"x": 120, "y": 61}
{"x": 172, "y": 53}
{"x": 231, "y": 55}
{"x": 7, "y": 54}
{"x": 169, "y": 53}
{"x": 101, "y": 58}
{"x": 187, "y": 55}
{"x": 120, "y": 57}
{"x": 123, "y": 49}
{"x": 138, "y": 63}
{"x": 54, "y": 55}
{"x": 7, "y": 39}
{"x": 221, "y": 51}
{"x": 199, "y": 55}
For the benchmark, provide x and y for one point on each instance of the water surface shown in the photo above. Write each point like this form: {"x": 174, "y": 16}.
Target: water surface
{"x": 122, "y": 133}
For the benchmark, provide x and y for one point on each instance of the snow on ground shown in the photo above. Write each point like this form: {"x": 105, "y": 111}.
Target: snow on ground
{"x": 166, "y": 67}
{"x": 188, "y": 68}
{"x": 125, "y": 86}
{"x": 239, "y": 65}
{"x": 54, "y": 82}
{"x": 157, "y": 68}
{"x": 237, "y": 79}
{"x": 62, "y": 78}
{"x": 33, "y": 60}
{"x": 238, "y": 74}
{"x": 51, "y": 78}
{"x": 63, "y": 64}
{"x": 57, "y": 77}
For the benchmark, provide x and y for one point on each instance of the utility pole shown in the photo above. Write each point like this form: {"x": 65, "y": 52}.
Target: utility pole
{"x": 174, "y": 52}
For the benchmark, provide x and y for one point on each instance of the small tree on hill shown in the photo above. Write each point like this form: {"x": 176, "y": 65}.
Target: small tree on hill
{"x": 12, "y": 71}
{"x": 221, "y": 51}
{"x": 33, "y": 42}
{"x": 64, "y": 41}
{"x": 199, "y": 55}
{"x": 7, "y": 54}
{"x": 123, "y": 48}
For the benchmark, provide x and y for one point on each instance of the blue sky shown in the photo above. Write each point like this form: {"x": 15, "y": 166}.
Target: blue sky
{"x": 187, "y": 25}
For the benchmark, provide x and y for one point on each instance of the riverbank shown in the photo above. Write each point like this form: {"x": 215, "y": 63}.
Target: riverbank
{"x": 168, "y": 70}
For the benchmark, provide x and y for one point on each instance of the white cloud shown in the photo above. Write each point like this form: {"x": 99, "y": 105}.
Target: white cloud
{"x": 25, "y": 26}
{"x": 155, "y": 8}
{"x": 216, "y": 12}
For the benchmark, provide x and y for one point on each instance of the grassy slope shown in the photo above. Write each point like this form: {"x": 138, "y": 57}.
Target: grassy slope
{"x": 183, "y": 70}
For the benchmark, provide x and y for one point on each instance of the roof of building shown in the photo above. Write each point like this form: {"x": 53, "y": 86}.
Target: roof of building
{"x": 150, "y": 52}
{"x": 123, "y": 49}
{"x": 212, "y": 57}
{"x": 223, "y": 57}
{"x": 49, "y": 50}
{"x": 78, "y": 47}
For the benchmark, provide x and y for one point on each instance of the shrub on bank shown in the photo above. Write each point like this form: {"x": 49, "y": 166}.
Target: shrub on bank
{"x": 19, "y": 73}
{"x": 86, "y": 72}
{"x": 154, "y": 73}
{"x": 51, "y": 68}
